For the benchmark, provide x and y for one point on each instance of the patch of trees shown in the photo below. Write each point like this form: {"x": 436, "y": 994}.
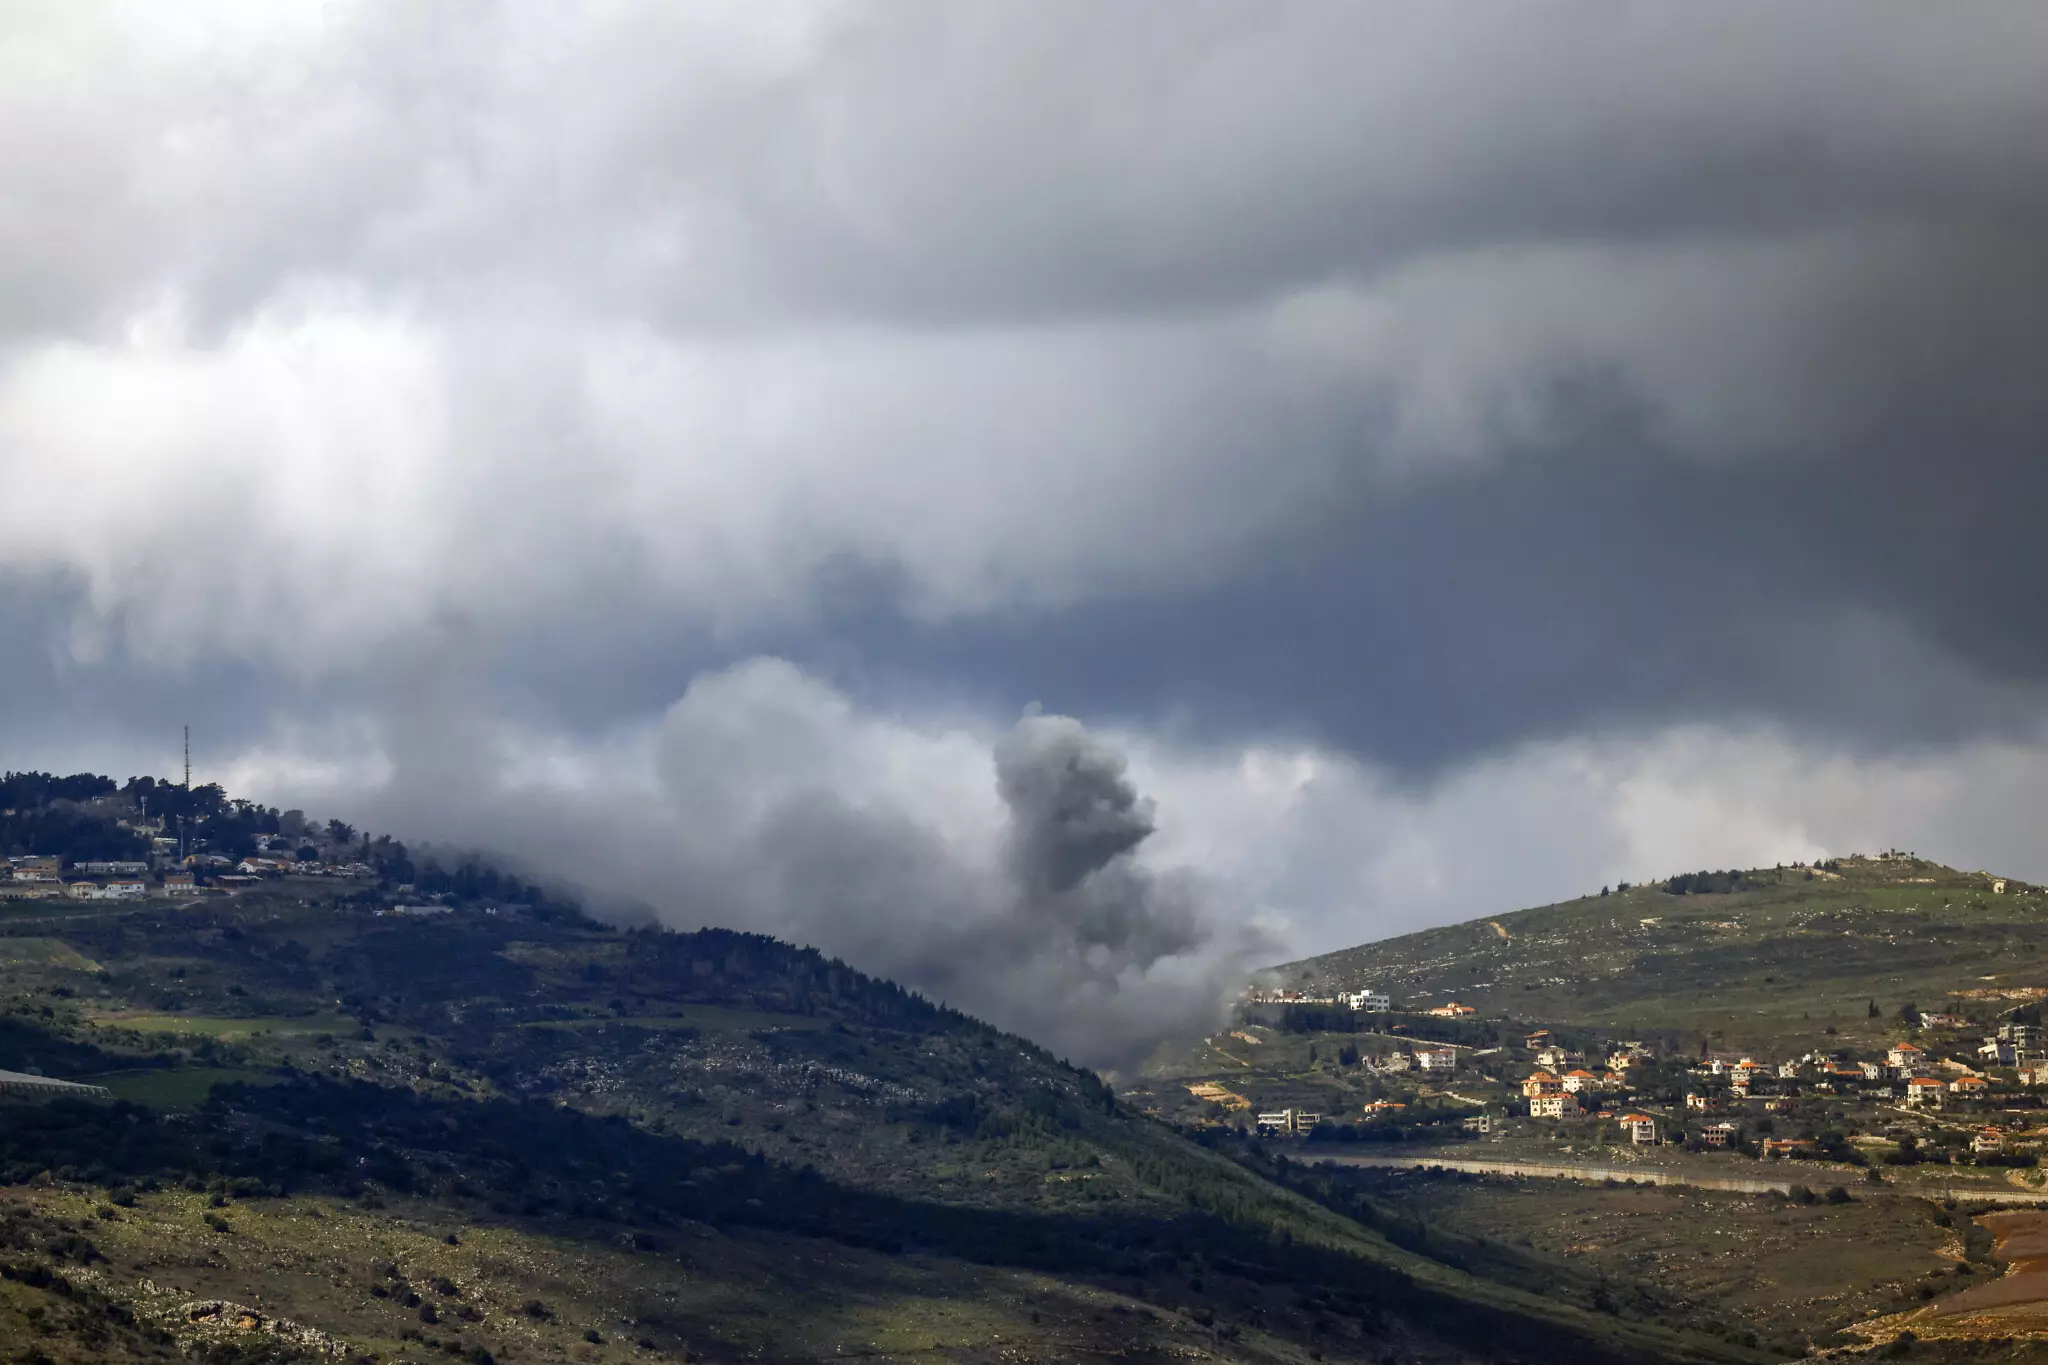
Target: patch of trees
{"x": 173, "y": 801}
{"x": 1708, "y": 883}
{"x": 20, "y": 791}
{"x": 1391, "y": 1130}
{"x": 68, "y": 832}
{"x": 472, "y": 879}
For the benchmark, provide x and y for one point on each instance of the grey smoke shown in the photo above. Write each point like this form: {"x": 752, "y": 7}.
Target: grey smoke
{"x": 1072, "y": 809}
{"x": 1075, "y": 820}
{"x": 1003, "y": 874}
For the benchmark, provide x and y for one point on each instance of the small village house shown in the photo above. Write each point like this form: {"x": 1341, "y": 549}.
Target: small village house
{"x": 1542, "y": 1083}
{"x": 1789, "y": 1147}
{"x": 1640, "y": 1128}
{"x": 1720, "y": 1134}
{"x": 1287, "y": 1122}
{"x": 1925, "y": 1091}
{"x": 1558, "y": 1106}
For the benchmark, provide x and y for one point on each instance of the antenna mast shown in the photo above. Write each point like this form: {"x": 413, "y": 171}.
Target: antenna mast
{"x": 188, "y": 791}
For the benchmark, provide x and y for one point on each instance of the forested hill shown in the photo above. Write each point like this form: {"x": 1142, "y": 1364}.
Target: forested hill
{"x": 1792, "y": 949}
{"x": 501, "y": 1131}
{"x": 202, "y": 830}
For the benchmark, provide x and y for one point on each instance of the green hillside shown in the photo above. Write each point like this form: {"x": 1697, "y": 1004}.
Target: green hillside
{"x": 1754, "y": 957}
{"x": 501, "y": 1135}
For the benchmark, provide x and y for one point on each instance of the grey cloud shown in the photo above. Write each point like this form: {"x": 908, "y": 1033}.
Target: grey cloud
{"x": 1366, "y": 375}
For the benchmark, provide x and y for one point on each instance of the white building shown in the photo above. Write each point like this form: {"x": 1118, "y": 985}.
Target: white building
{"x": 1369, "y": 1002}
{"x": 1437, "y": 1058}
{"x": 1553, "y": 1106}
{"x": 1287, "y": 1122}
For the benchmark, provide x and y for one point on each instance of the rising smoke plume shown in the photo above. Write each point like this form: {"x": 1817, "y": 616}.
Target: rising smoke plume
{"x": 1004, "y": 874}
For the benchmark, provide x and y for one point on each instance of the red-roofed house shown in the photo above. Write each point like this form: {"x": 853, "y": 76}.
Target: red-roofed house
{"x": 1641, "y": 1128}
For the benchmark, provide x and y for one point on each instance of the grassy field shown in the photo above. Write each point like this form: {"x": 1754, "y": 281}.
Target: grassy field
{"x": 1791, "y": 1273}
{"x": 178, "y": 1087}
{"x": 16, "y": 953}
{"x": 214, "y": 1026}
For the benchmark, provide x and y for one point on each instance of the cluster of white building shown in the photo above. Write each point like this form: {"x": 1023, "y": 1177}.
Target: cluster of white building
{"x": 1365, "y": 1002}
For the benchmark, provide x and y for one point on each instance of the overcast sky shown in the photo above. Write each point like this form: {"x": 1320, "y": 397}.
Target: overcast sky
{"x": 1423, "y": 460}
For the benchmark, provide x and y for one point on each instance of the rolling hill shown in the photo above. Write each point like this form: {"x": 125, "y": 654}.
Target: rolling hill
{"x": 495, "y": 1132}
{"x": 1747, "y": 958}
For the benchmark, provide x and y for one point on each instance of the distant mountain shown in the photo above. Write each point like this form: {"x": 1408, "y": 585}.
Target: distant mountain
{"x": 355, "y": 1121}
{"x": 1743, "y": 956}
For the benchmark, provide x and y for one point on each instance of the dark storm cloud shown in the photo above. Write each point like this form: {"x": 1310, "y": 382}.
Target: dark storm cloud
{"x": 433, "y": 398}
{"x": 1553, "y": 600}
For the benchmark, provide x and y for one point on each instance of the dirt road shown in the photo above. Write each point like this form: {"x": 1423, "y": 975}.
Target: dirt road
{"x": 1644, "y": 1175}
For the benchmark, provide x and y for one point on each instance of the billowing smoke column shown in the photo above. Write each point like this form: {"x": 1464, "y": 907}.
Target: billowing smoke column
{"x": 1075, "y": 822}
{"x": 1001, "y": 874}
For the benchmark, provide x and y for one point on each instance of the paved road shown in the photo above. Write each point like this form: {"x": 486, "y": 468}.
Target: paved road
{"x": 1648, "y": 1175}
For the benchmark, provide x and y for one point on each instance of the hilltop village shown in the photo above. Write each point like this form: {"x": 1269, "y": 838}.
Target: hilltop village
{"x": 83, "y": 838}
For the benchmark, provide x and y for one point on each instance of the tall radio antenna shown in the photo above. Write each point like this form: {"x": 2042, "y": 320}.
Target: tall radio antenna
{"x": 188, "y": 758}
